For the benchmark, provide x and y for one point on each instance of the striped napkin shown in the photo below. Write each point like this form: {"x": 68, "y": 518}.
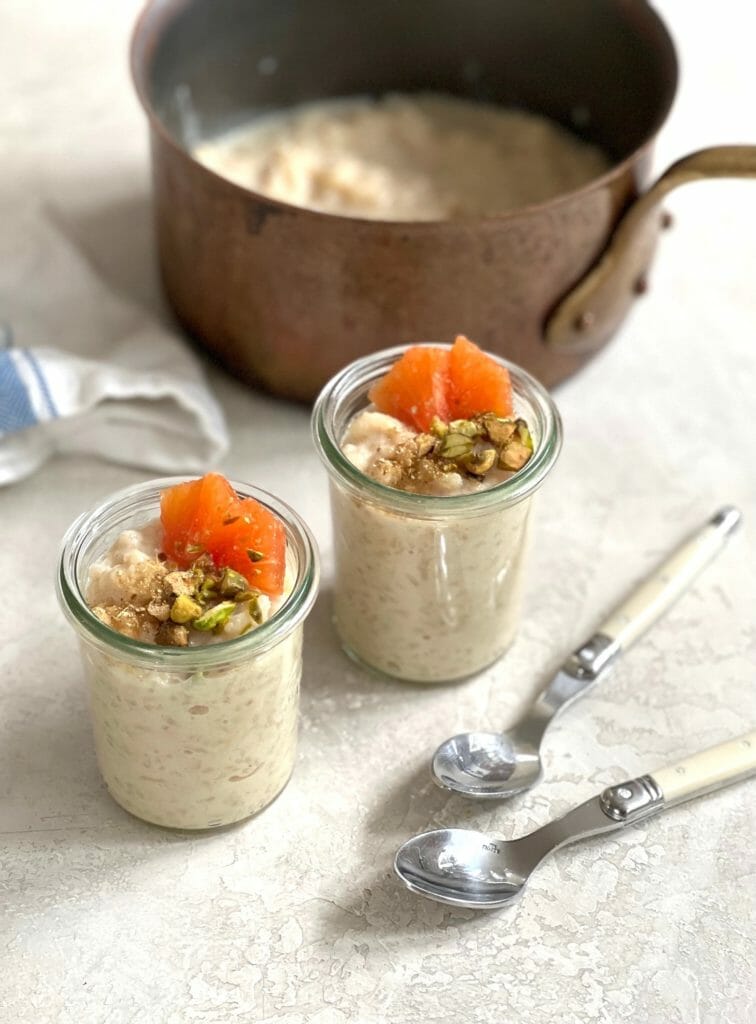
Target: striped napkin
{"x": 85, "y": 371}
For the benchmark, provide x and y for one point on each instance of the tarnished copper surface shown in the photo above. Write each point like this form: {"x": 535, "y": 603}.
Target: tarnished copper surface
{"x": 285, "y": 296}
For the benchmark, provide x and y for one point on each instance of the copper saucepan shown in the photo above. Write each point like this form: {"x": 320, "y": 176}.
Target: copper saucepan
{"x": 286, "y": 296}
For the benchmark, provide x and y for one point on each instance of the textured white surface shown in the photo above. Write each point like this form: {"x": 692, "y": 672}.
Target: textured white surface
{"x": 295, "y": 917}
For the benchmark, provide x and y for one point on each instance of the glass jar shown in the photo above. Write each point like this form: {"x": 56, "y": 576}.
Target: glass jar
{"x": 428, "y": 588}
{"x": 190, "y": 737}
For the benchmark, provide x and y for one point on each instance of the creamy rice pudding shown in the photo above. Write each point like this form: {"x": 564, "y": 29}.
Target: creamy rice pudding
{"x": 194, "y": 680}
{"x": 429, "y": 565}
{"x": 404, "y": 157}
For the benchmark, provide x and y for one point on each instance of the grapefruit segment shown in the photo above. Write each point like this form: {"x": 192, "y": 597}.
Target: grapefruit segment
{"x": 253, "y": 542}
{"x": 192, "y": 513}
{"x": 478, "y": 383}
{"x": 207, "y": 517}
{"x": 416, "y": 387}
{"x": 454, "y": 384}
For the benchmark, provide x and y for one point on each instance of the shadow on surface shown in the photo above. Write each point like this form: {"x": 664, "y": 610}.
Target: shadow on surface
{"x": 117, "y": 240}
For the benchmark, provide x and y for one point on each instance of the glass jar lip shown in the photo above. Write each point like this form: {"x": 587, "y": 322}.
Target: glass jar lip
{"x": 291, "y": 613}
{"x": 518, "y": 487}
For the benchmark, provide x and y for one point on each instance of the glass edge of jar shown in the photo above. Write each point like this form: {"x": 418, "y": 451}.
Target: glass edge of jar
{"x": 145, "y": 655}
{"x": 511, "y": 492}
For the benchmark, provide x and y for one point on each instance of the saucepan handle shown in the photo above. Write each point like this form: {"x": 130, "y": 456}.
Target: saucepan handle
{"x": 709, "y": 770}
{"x": 597, "y": 304}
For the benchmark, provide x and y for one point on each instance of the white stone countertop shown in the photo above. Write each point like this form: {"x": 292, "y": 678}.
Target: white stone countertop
{"x": 296, "y": 917}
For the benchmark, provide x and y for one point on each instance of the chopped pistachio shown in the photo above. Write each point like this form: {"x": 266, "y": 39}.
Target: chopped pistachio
{"x": 425, "y": 444}
{"x": 232, "y": 583}
{"x": 206, "y": 589}
{"x": 438, "y": 428}
{"x": 479, "y": 463}
{"x": 194, "y": 549}
{"x": 468, "y": 428}
{"x": 230, "y": 519}
{"x": 498, "y": 430}
{"x": 255, "y": 611}
{"x": 172, "y": 634}
{"x": 255, "y": 556}
{"x": 514, "y": 455}
{"x": 524, "y": 434}
{"x": 455, "y": 445}
{"x": 216, "y": 616}
{"x": 246, "y": 595}
{"x": 184, "y": 609}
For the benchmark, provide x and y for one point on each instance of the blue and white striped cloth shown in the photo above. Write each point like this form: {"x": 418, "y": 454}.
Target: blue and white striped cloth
{"x": 25, "y": 398}
{"x": 155, "y": 412}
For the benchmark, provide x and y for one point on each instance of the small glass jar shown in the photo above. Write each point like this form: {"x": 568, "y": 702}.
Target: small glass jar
{"x": 190, "y": 737}
{"x": 428, "y": 588}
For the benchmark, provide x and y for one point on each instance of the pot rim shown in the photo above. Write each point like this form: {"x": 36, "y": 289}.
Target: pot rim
{"x": 170, "y": 7}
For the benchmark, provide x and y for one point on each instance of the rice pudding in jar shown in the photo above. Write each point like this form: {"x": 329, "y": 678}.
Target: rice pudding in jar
{"x": 429, "y": 556}
{"x": 193, "y": 661}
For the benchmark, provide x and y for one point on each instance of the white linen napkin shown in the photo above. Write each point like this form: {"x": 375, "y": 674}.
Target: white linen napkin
{"x": 85, "y": 370}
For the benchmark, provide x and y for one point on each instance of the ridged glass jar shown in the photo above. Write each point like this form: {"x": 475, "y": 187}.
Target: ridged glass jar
{"x": 190, "y": 737}
{"x": 428, "y": 588}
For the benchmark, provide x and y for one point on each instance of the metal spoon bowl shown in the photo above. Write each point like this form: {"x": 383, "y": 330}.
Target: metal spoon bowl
{"x": 493, "y": 766}
{"x": 460, "y": 867}
{"x": 487, "y": 765}
{"x": 465, "y": 868}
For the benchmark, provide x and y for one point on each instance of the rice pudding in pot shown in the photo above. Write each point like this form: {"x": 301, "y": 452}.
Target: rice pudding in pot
{"x": 412, "y": 157}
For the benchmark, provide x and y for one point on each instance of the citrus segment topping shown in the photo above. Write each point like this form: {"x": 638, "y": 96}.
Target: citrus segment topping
{"x": 206, "y": 517}
{"x": 478, "y": 383}
{"x": 416, "y": 387}
{"x": 192, "y": 515}
{"x": 429, "y": 382}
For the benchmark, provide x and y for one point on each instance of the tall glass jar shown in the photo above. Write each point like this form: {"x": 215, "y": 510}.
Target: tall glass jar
{"x": 428, "y": 588}
{"x": 190, "y": 737}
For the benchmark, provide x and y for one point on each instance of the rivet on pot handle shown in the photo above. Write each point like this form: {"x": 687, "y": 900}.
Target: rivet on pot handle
{"x": 589, "y": 314}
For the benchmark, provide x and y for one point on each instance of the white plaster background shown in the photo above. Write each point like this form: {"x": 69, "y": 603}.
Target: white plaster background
{"x": 295, "y": 917}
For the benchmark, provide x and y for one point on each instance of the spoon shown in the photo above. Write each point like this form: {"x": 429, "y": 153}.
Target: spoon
{"x": 474, "y": 869}
{"x": 492, "y": 765}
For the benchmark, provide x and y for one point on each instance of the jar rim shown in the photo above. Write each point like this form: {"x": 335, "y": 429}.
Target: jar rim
{"x": 519, "y": 486}
{"x": 141, "y": 497}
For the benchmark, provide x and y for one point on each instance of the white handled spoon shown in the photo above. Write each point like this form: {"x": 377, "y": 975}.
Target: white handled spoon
{"x": 492, "y": 765}
{"x": 473, "y": 869}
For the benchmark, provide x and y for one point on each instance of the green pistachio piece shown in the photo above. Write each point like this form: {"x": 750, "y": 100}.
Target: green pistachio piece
{"x": 468, "y": 428}
{"x": 184, "y": 609}
{"x": 455, "y": 445}
{"x": 438, "y": 428}
{"x": 479, "y": 463}
{"x": 255, "y": 556}
{"x": 498, "y": 430}
{"x": 216, "y": 616}
{"x": 206, "y": 589}
{"x": 255, "y": 611}
{"x": 524, "y": 434}
{"x": 514, "y": 456}
{"x": 232, "y": 583}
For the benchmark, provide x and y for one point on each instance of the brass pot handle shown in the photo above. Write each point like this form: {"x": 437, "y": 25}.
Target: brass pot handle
{"x": 590, "y": 313}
